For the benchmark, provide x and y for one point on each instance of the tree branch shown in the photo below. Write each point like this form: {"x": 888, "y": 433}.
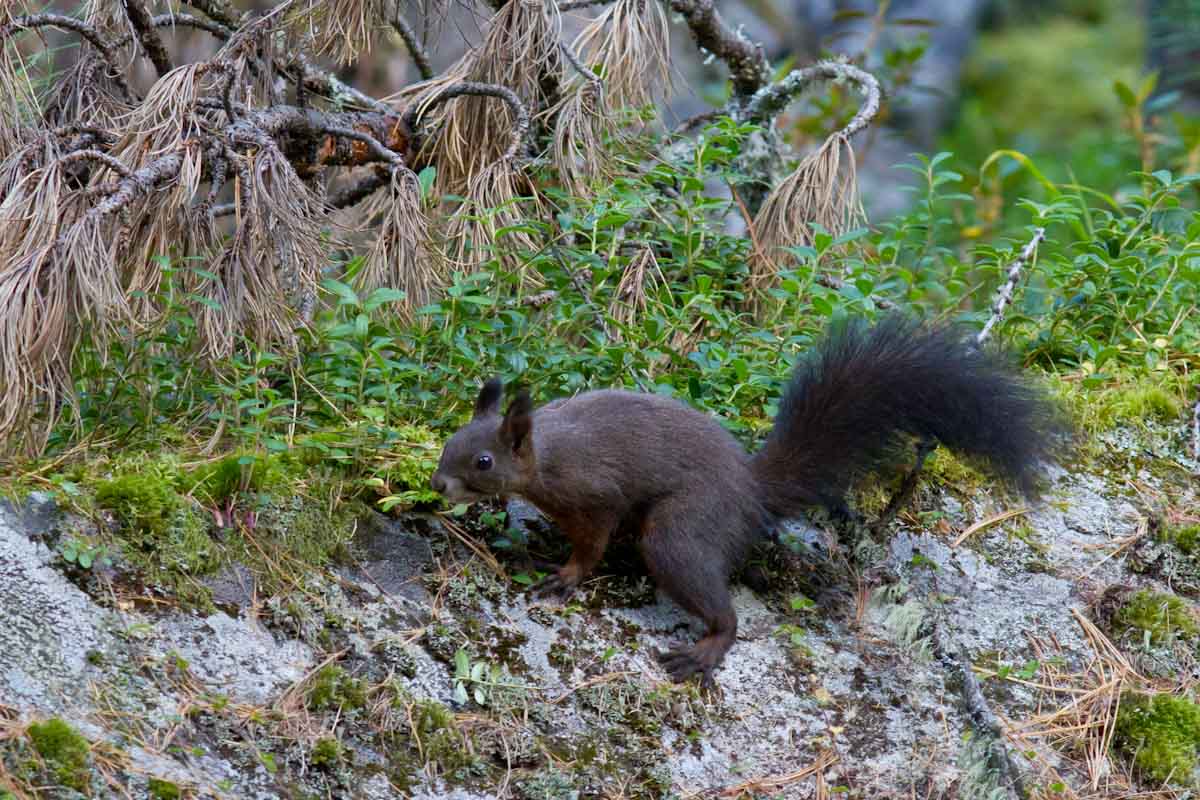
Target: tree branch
{"x": 189, "y": 21}
{"x": 220, "y": 10}
{"x": 746, "y": 60}
{"x": 95, "y": 155}
{"x": 1005, "y": 295}
{"x": 415, "y": 49}
{"x": 520, "y": 127}
{"x": 93, "y": 36}
{"x": 359, "y": 190}
{"x": 770, "y": 101}
{"x": 147, "y": 35}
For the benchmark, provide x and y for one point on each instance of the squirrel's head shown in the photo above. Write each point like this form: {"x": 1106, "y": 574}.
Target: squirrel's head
{"x": 492, "y": 454}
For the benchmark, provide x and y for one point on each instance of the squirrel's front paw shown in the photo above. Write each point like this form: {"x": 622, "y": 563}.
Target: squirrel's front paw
{"x": 560, "y": 584}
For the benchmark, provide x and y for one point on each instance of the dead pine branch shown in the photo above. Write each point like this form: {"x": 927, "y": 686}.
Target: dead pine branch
{"x": 1005, "y": 293}
{"x": 823, "y": 188}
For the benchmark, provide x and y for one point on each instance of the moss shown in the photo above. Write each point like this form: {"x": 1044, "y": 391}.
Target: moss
{"x": 165, "y": 536}
{"x": 951, "y": 470}
{"x": 1161, "y": 614}
{"x": 441, "y": 741}
{"x": 144, "y": 502}
{"x": 1185, "y": 537}
{"x": 327, "y": 753}
{"x": 1161, "y": 733}
{"x": 216, "y": 483}
{"x": 65, "y": 752}
{"x": 332, "y": 688}
{"x": 163, "y": 790}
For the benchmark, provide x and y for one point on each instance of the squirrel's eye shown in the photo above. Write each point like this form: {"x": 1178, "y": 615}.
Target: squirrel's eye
{"x": 484, "y": 462}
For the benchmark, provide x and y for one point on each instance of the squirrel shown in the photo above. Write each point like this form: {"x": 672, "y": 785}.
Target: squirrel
{"x": 610, "y": 460}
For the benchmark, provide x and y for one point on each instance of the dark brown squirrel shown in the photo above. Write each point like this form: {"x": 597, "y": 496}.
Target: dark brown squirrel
{"x": 604, "y": 461}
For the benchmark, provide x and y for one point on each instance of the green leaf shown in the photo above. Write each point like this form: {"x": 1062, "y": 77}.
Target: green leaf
{"x": 1125, "y": 94}
{"x": 462, "y": 664}
{"x": 345, "y": 293}
{"x": 460, "y": 693}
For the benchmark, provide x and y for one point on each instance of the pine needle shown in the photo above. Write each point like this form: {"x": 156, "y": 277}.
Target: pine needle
{"x": 822, "y": 191}
{"x": 400, "y": 256}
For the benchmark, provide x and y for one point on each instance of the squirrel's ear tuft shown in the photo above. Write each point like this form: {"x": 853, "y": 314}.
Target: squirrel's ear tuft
{"x": 518, "y": 421}
{"x": 488, "y": 401}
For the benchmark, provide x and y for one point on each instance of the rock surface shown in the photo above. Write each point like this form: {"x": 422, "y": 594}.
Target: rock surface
{"x": 221, "y": 702}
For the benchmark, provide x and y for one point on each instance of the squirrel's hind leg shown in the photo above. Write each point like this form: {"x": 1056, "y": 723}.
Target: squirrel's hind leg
{"x": 696, "y": 579}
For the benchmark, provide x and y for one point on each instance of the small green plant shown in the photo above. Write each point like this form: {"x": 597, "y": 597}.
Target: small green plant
{"x": 1160, "y": 616}
{"x": 1161, "y": 733}
{"x": 83, "y": 553}
{"x": 65, "y": 752}
{"x": 474, "y": 680}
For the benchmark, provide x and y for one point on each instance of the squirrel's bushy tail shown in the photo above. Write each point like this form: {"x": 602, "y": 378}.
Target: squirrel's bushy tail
{"x": 863, "y": 392}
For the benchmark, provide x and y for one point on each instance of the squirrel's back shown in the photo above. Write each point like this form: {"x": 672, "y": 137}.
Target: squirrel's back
{"x": 637, "y": 445}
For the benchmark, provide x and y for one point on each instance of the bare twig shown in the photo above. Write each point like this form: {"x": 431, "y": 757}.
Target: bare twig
{"x": 1005, "y": 295}
{"x": 577, "y": 65}
{"x": 1196, "y": 431}
{"x": 520, "y": 113}
{"x": 769, "y": 101}
{"x": 575, "y": 5}
{"x": 415, "y": 48}
{"x": 189, "y": 21}
{"x": 746, "y": 60}
{"x": 148, "y": 36}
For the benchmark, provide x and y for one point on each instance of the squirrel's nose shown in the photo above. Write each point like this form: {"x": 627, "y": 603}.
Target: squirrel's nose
{"x": 438, "y": 483}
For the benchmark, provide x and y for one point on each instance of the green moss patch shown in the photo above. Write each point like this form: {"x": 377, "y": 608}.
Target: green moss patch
{"x": 160, "y": 789}
{"x": 1162, "y": 615}
{"x": 163, "y": 533}
{"x": 65, "y": 752}
{"x": 1161, "y": 733}
{"x": 333, "y": 688}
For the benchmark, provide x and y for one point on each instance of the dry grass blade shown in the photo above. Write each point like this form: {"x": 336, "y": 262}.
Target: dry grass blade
{"x": 1082, "y": 729}
{"x": 87, "y": 94}
{"x": 493, "y": 202}
{"x": 581, "y": 127}
{"x": 19, "y": 100}
{"x": 520, "y": 47}
{"x": 400, "y": 256}
{"x": 36, "y": 334}
{"x": 630, "y": 41}
{"x": 629, "y": 300}
{"x": 339, "y": 29}
{"x": 272, "y": 261}
{"x": 988, "y": 522}
{"x": 822, "y": 191}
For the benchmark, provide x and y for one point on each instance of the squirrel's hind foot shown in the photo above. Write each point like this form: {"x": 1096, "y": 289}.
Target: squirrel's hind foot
{"x": 683, "y": 662}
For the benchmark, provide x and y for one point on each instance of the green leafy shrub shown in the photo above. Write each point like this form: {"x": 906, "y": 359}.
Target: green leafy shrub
{"x": 1161, "y": 733}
